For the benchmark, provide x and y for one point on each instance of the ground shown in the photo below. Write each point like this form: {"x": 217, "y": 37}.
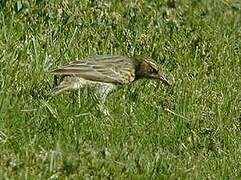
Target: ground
{"x": 191, "y": 130}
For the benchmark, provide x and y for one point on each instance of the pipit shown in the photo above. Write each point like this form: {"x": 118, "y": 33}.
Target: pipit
{"x": 105, "y": 73}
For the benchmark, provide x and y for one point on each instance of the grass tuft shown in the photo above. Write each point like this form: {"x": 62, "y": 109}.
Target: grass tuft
{"x": 187, "y": 131}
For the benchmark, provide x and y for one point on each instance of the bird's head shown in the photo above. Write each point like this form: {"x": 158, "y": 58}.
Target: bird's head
{"x": 147, "y": 68}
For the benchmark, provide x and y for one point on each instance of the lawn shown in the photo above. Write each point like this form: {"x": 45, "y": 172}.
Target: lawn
{"x": 190, "y": 130}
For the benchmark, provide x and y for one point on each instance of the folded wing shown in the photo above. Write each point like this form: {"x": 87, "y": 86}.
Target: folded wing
{"x": 109, "y": 69}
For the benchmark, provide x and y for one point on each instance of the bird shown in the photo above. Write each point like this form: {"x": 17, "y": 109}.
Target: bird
{"x": 105, "y": 72}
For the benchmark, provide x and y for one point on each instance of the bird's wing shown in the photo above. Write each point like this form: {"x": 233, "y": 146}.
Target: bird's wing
{"x": 109, "y": 69}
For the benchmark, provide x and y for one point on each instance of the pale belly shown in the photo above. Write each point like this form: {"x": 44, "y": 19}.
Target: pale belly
{"x": 74, "y": 83}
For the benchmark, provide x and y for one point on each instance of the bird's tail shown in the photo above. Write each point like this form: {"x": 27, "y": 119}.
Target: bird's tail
{"x": 59, "y": 90}
{"x": 67, "y": 83}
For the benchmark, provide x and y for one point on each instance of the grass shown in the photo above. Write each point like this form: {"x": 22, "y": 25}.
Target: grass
{"x": 191, "y": 130}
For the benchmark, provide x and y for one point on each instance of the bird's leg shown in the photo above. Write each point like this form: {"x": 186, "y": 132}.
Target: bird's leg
{"x": 79, "y": 98}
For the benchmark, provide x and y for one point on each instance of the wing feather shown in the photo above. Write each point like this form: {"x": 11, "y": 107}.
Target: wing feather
{"x": 109, "y": 69}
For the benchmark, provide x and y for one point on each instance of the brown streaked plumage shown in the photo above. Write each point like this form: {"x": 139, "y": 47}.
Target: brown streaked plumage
{"x": 107, "y": 71}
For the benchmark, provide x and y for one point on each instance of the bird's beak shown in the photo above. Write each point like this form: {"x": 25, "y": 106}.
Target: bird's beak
{"x": 164, "y": 80}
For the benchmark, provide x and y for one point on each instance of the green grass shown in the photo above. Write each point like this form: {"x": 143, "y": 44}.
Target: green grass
{"x": 198, "y": 44}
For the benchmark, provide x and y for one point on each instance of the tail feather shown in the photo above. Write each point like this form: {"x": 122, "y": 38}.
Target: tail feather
{"x": 68, "y": 83}
{"x": 59, "y": 90}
